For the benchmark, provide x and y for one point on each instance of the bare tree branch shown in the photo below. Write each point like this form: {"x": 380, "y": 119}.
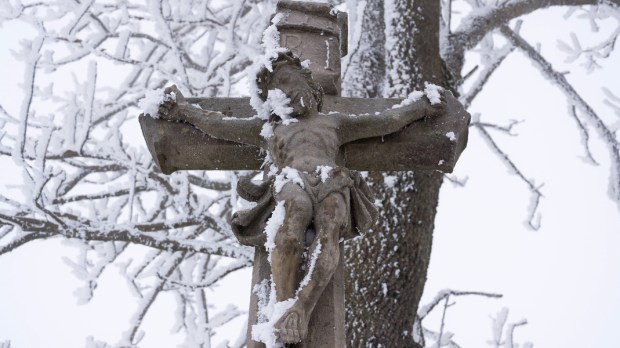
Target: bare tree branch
{"x": 443, "y": 294}
{"x": 533, "y": 220}
{"x": 484, "y": 76}
{"x": 608, "y": 137}
{"x": 484, "y": 20}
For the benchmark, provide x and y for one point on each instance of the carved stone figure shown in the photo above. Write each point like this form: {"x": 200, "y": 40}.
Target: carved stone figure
{"x": 324, "y": 203}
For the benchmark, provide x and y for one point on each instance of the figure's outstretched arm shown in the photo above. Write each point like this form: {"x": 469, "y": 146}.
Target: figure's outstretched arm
{"x": 417, "y": 106}
{"x": 213, "y": 123}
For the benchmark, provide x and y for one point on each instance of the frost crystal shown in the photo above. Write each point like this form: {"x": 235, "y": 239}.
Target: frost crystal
{"x": 271, "y": 44}
{"x": 411, "y": 98}
{"x": 327, "y": 55}
{"x": 311, "y": 265}
{"x": 153, "y": 99}
{"x": 324, "y": 172}
{"x": 278, "y": 103}
{"x": 267, "y": 130}
{"x": 433, "y": 93}
{"x": 272, "y": 226}
{"x": 289, "y": 121}
{"x": 269, "y": 310}
{"x": 288, "y": 174}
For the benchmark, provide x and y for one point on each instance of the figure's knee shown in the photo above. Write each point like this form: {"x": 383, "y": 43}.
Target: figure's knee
{"x": 330, "y": 248}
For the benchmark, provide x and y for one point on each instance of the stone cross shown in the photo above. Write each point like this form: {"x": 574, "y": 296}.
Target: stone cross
{"x": 318, "y": 33}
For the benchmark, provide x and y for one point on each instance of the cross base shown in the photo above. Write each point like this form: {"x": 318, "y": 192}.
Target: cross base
{"x": 326, "y": 327}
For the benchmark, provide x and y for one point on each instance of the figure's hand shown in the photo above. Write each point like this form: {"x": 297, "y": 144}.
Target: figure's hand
{"x": 169, "y": 108}
{"x": 437, "y": 100}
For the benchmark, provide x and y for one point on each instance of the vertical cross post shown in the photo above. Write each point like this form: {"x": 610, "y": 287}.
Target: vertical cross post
{"x": 318, "y": 33}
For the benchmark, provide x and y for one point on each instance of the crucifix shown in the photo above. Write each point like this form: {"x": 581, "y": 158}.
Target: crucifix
{"x": 310, "y": 148}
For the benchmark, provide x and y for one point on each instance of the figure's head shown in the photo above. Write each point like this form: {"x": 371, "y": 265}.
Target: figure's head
{"x": 294, "y": 80}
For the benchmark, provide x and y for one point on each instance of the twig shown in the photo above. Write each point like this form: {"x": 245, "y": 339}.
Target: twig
{"x": 585, "y": 135}
{"x": 533, "y": 220}
{"x": 424, "y": 310}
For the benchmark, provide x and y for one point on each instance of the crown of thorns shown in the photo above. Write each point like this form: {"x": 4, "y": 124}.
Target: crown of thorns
{"x": 287, "y": 58}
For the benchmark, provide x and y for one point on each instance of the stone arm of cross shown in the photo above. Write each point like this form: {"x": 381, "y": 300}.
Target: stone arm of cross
{"x": 213, "y": 123}
{"x": 354, "y": 127}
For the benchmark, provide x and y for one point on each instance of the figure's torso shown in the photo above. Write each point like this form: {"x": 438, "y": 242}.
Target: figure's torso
{"x": 303, "y": 145}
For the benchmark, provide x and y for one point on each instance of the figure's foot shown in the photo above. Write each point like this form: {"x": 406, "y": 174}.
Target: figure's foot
{"x": 292, "y": 327}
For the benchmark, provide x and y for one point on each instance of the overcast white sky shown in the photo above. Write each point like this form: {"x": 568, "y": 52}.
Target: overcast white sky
{"x": 563, "y": 278}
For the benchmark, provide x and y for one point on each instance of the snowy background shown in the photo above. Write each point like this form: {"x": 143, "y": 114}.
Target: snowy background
{"x": 564, "y": 278}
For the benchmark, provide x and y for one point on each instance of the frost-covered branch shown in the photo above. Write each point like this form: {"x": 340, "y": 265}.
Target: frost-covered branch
{"x": 594, "y": 53}
{"x": 483, "y": 20}
{"x": 533, "y": 220}
{"x": 442, "y": 295}
{"x": 504, "y": 338}
{"x": 80, "y": 174}
{"x": 608, "y": 136}
{"x": 585, "y": 135}
{"x": 492, "y": 58}
{"x": 441, "y": 338}
{"x": 132, "y": 337}
{"x": 139, "y": 234}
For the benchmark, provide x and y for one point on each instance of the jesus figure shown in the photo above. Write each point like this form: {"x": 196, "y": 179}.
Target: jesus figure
{"x": 323, "y": 203}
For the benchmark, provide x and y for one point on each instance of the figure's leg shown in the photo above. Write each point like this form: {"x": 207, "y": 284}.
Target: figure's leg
{"x": 287, "y": 256}
{"x": 329, "y": 219}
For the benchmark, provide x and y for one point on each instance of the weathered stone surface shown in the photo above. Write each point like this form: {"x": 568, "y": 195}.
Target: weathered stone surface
{"x": 326, "y": 327}
{"x": 315, "y": 32}
{"x": 424, "y": 144}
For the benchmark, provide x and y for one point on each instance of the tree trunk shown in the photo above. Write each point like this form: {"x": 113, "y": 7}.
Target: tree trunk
{"x": 386, "y": 269}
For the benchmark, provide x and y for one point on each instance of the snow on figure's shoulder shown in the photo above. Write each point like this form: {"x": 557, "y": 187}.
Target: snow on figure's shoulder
{"x": 153, "y": 99}
{"x": 279, "y": 103}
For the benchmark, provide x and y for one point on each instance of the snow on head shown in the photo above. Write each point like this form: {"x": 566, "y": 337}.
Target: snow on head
{"x": 153, "y": 99}
{"x": 451, "y": 136}
{"x": 278, "y": 103}
{"x": 433, "y": 93}
{"x": 271, "y": 44}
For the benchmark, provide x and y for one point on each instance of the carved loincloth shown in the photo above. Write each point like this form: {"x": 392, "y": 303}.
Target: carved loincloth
{"x": 248, "y": 225}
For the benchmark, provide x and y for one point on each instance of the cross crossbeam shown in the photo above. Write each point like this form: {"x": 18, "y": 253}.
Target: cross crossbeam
{"x": 431, "y": 144}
